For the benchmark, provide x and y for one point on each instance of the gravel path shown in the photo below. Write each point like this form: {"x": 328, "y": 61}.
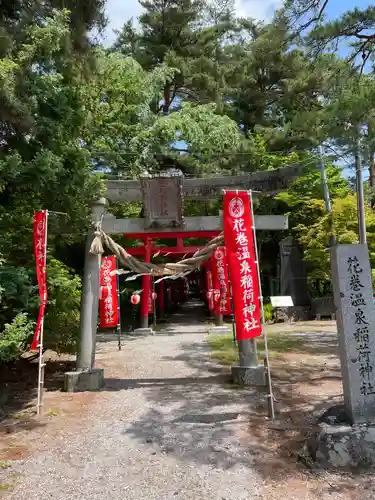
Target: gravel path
{"x": 165, "y": 427}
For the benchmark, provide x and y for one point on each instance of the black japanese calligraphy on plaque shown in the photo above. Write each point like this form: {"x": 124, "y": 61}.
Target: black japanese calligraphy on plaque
{"x": 355, "y": 283}
{"x": 162, "y": 200}
{"x": 354, "y": 266}
{"x": 362, "y": 334}
{"x": 367, "y": 389}
{"x": 365, "y": 370}
{"x": 355, "y": 313}
{"x": 363, "y": 353}
{"x": 360, "y": 318}
{"x": 357, "y": 299}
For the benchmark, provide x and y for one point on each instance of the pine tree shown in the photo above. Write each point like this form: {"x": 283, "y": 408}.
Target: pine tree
{"x": 186, "y": 35}
{"x": 276, "y": 89}
{"x": 355, "y": 27}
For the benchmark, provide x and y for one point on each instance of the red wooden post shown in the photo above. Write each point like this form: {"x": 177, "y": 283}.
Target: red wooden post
{"x": 210, "y": 290}
{"x": 146, "y": 284}
{"x": 161, "y": 298}
{"x": 169, "y": 291}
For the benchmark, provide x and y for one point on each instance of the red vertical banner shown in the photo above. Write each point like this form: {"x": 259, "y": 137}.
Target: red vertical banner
{"x": 239, "y": 242}
{"x": 220, "y": 281}
{"x": 40, "y": 252}
{"x": 210, "y": 290}
{"x": 108, "y": 303}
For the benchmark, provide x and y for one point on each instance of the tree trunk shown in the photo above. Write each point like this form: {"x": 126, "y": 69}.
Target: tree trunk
{"x": 372, "y": 168}
{"x": 167, "y": 99}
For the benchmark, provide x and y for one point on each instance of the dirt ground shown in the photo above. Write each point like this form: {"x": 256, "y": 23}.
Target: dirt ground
{"x": 305, "y": 384}
{"x": 19, "y": 425}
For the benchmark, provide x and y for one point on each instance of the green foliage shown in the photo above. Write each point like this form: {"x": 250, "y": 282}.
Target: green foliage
{"x": 192, "y": 85}
{"x": 45, "y": 57}
{"x": 188, "y": 35}
{"x": 349, "y": 100}
{"x": 125, "y": 136}
{"x": 202, "y": 130}
{"x": 304, "y": 198}
{"x": 276, "y": 88}
{"x": 313, "y": 236}
{"x": 15, "y": 291}
{"x": 355, "y": 27}
{"x": 42, "y": 162}
{"x": 118, "y": 107}
{"x": 84, "y": 17}
{"x": 63, "y": 311}
{"x": 14, "y": 336}
{"x": 268, "y": 314}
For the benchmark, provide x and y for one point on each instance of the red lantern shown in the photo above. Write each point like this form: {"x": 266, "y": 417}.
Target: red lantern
{"x": 135, "y": 299}
{"x": 154, "y": 295}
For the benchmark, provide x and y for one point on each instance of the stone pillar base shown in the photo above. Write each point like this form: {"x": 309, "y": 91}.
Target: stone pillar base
{"x": 249, "y": 375}
{"x": 343, "y": 446}
{"x": 219, "y": 330}
{"x": 82, "y": 381}
{"x": 143, "y": 332}
{"x": 336, "y": 444}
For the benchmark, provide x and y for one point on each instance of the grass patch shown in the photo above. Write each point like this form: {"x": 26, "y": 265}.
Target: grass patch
{"x": 223, "y": 349}
{"x": 22, "y": 415}
{"x": 226, "y": 352}
{"x": 52, "y": 413}
{"x": 6, "y": 486}
{"x": 5, "y": 464}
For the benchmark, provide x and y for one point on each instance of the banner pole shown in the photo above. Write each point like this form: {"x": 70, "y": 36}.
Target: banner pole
{"x": 232, "y": 306}
{"x": 267, "y": 361}
{"x": 41, "y": 364}
{"x": 118, "y": 308}
{"x": 154, "y": 302}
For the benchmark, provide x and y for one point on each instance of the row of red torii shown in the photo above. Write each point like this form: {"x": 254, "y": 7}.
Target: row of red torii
{"x": 175, "y": 291}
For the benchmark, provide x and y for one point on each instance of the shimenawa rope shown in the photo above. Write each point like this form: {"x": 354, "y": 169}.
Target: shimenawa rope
{"x": 102, "y": 239}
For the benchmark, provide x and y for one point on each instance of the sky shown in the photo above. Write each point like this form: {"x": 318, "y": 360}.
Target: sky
{"x": 120, "y": 11}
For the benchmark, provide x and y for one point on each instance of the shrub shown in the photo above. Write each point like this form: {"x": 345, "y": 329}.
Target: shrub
{"x": 19, "y": 298}
{"x": 268, "y": 314}
{"x": 14, "y": 336}
{"x": 63, "y": 308}
{"x": 16, "y": 292}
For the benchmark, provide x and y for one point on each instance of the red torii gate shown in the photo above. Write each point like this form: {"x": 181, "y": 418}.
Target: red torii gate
{"x": 162, "y": 197}
{"x": 149, "y": 248}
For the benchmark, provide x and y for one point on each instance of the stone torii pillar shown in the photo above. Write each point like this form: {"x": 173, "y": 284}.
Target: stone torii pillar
{"x": 87, "y": 377}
